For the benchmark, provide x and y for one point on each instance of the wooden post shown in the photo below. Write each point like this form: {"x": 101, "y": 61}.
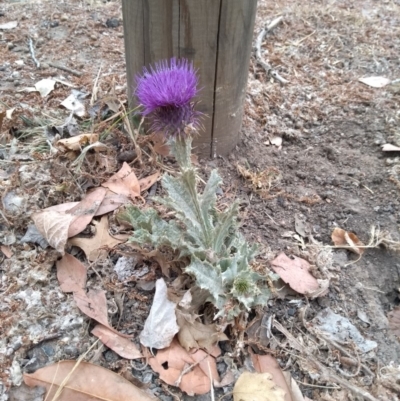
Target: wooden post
{"x": 217, "y": 36}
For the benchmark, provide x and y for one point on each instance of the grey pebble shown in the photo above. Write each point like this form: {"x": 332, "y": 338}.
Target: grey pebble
{"x": 147, "y": 377}
{"x": 112, "y": 23}
{"x": 163, "y": 397}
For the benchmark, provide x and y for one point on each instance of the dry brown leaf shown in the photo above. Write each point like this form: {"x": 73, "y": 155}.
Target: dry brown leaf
{"x": 124, "y": 182}
{"x": 171, "y": 361}
{"x": 159, "y": 258}
{"x": 62, "y": 207}
{"x": 71, "y": 274}
{"x": 159, "y": 145}
{"x": 295, "y": 272}
{"x": 54, "y": 227}
{"x": 78, "y": 142}
{"x": 257, "y": 387}
{"x": 6, "y": 251}
{"x": 347, "y": 240}
{"x": 394, "y": 321}
{"x": 88, "y": 382}
{"x": 194, "y": 334}
{"x": 84, "y": 211}
{"x": 111, "y": 202}
{"x": 94, "y": 305}
{"x": 268, "y": 364}
{"x": 147, "y": 182}
{"x": 120, "y": 345}
{"x": 98, "y": 246}
{"x": 294, "y": 387}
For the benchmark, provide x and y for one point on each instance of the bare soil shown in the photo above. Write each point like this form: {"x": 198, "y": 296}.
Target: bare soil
{"x": 330, "y": 171}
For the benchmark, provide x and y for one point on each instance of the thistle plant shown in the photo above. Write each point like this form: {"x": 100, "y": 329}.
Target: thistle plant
{"x": 219, "y": 257}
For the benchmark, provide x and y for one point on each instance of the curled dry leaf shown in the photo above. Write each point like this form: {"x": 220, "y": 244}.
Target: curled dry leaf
{"x": 111, "y": 202}
{"x": 268, "y": 364}
{"x": 194, "y": 334}
{"x": 6, "y": 251}
{"x": 173, "y": 364}
{"x": 98, "y": 246}
{"x": 45, "y": 86}
{"x": 160, "y": 326}
{"x": 54, "y": 227}
{"x": 295, "y": 272}
{"x": 147, "y": 182}
{"x": 78, "y": 142}
{"x": 257, "y": 387}
{"x": 75, "y": 105}
{"x": 120, "y": 345}
{"x": 94, "y": 305}
{"x": 71, "y": 274}
{"x": 347, "y": 240}
{"x": 159, "y": 145}
{"x": 124, "y": 182}
{"x": 85, "y": 210}
{"x": 86, "y": 382}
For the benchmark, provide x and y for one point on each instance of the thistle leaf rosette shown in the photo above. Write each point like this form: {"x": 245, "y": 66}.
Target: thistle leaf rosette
{"x": 219, "y": 256}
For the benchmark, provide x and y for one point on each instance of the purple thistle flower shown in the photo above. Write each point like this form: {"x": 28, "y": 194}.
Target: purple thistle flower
{"x": 166, "y": 93}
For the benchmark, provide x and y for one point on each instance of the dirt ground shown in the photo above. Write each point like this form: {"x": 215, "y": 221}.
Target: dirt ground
{"x": 328, "y": 171}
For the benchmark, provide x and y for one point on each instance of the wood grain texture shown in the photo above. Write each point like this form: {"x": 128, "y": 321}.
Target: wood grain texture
{"x": 198, "y": 42}
{"x": 234, "y": 50}
{"x": 133, "y": 12}
{"x": 217, "y": 36}
{"x": 161, "y": 29}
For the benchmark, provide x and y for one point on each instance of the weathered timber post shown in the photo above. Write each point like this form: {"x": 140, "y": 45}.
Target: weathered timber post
{"x": 217, "y": 36}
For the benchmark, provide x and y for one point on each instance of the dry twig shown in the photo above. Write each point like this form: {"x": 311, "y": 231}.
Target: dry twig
{"x": 326, "y": 374}
{"x": 260, "y": 60}
{"x": 66, "y": 69}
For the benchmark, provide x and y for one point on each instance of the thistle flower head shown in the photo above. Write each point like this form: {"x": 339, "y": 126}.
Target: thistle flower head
{"x": 166, "y": 92}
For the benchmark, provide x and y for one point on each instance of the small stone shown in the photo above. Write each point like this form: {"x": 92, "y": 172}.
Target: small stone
{"x": 16, "y": 75}
{"x": 71, "y": 350}
{"x": 127, "y": 156}
{"x": 93, "y": 37}
{"x": 40, "y": 42}
{"x": 54, "y": 24}
{"x": 44, "y": 66}
{"x": 64, "y": 17}
{"x": 163, "y": 397}
{"x": 147, "y": 377}
{"x": 112, "y": 23}
{"x": 19, "y": 63}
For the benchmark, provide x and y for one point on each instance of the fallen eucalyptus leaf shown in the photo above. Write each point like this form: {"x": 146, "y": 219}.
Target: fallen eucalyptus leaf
{"x": 172, "y": 361}
{"x": 54, "y": 227}
{"x": 120, "y": 345}
{"x": 347, "y": 240}
{"x": 295, "y": 272}
{"x": 86, "y": 382}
